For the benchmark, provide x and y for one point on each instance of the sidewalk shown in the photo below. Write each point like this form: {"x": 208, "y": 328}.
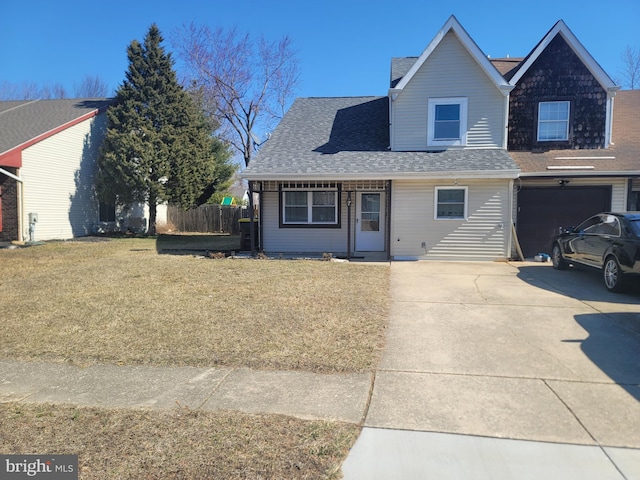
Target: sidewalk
{"x": 299, "y": 394}
{"x": 503, "y": 371}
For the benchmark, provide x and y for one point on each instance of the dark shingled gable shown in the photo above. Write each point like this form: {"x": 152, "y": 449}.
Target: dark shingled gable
{"x": 349, "y": 137}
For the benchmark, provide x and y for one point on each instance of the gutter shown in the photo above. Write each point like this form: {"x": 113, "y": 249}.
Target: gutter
{"x": 487, "y": 174}
{"x": 580, "y": 173}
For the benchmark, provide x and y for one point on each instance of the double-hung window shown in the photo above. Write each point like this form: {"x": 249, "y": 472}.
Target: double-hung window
{"x": 313, "y": 208}
{"x": 451, "y": 203}
{"x": 553, "y": 121}
{"x": 447, "y": 124}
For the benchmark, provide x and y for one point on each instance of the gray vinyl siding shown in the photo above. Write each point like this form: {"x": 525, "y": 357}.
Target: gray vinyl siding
{"x": 483, "y": 235}
{"x": 58, "y": 175}
{"x": 300, "y": 240}
{"x": 449, "y": 72}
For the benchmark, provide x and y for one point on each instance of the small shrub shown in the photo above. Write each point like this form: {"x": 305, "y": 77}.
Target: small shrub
{"x": 327, "y": 257}
{"x": 217, "y": 255}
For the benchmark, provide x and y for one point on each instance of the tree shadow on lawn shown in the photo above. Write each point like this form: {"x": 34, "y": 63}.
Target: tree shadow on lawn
{"x": 197, "y": 244}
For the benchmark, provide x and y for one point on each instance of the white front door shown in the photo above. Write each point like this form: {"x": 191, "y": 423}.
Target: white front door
{"x": 370, "y": 222}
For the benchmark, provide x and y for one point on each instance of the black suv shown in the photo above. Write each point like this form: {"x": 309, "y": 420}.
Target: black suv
{"x": 608, "y": 241}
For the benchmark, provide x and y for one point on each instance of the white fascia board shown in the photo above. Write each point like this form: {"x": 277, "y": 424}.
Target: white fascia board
{"x": 471, "y": 47}
{"x": 469, "y": 174}
{"x": 592, "y": 65}
{"x": 581, "y": 173}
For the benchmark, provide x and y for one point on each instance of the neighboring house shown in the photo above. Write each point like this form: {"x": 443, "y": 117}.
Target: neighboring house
{"x": 48, "y": 150}
{"x": 48, "y": 154}
{"x": 578, "y": 155}
{"x": 460, "y": 149}
{"x": 421, "y": 173}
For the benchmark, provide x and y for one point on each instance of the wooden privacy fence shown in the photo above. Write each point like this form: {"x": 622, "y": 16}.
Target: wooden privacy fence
{"x": 207, "y": 218}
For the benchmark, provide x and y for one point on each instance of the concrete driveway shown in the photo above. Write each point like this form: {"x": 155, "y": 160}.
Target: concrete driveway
{"x": 504, "y": 370}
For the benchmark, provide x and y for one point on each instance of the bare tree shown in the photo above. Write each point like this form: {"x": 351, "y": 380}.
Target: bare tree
{"x": 245, "y": 83}
{"x": 92, "y": 87}
{"x": 55, "y": 91}
{"x": 631, "y": 67}
{"x": 19, "y": 91}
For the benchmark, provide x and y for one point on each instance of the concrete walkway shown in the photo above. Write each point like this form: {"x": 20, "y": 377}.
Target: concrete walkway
{"x": 299, "y": 394}
{"x": 504, "y": 371}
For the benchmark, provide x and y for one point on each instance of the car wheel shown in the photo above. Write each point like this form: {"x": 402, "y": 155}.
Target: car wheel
{"x": 612, "y": 274}
{"x": 559, "y": 263}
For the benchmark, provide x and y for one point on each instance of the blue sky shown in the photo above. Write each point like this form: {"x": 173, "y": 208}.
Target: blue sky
{"x": 345, "y": 46}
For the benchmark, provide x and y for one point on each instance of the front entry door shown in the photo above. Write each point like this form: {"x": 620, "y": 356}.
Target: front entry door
{"x": 370, "y": 220}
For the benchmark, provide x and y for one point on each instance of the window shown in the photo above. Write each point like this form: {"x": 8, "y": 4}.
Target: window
{"x": 451, "y": 203}
{"x": 310, "y": 207}
{"x": 447, "y": 121}
{"x": 553, "y": 121}
{"x": 107, "y": 212}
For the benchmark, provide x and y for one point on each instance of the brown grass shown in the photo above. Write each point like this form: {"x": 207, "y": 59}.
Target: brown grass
{"x": 177, "y": 444}
{"x": 120, "y": 302}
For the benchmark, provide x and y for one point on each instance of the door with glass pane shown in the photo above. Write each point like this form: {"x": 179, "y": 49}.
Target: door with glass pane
{"x": 370, "y": 222}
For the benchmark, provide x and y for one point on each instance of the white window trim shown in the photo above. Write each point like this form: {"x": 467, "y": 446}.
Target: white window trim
{"x": 566, "y": 133}
{"x": 310, "y": 205}
{"x": 435, "y": 203}
{"x": 462, "y": 141}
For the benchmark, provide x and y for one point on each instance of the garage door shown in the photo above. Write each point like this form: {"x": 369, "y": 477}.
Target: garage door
{"x": 542, "y": 210}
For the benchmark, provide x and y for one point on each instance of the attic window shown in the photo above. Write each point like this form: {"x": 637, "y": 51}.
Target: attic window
{"x": 447, "y": 122}
{"x": 553, "y": 121}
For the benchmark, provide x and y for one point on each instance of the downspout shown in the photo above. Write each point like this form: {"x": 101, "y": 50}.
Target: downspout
{"x": 608, "y": 134}
{"x": 20, "y": 202}
{"x": 348, "y": 225}
{"x": 252, "y": 220}
{"x": 509, "y": 251}
{"x": 387, "y": 215}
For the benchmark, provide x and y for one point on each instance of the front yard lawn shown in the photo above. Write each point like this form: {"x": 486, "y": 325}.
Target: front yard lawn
{"x": 120, "y": 302}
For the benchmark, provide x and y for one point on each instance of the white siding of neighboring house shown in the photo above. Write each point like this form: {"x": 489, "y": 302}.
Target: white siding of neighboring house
{"x": 300, "y": 240}
{"x": 58, "y": 175}
{"x": 449, "y": 72}
{"x": 484, "y": 235}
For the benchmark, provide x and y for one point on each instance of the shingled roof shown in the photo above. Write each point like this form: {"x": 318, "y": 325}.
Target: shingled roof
{"x": 22, "y": 122}
{"x": 348, "y": 138}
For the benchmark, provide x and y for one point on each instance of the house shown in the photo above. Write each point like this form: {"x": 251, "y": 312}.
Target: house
{"x": 48, "y": 150}
{"x": 573, "y": 135}
{"x": 48, "y": 154}
{"x": 423, "y": 172}
{"x": 461, "y": 148}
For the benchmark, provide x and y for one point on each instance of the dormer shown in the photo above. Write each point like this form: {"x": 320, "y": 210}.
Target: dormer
{"x": 562, "y": 98}
{"x": 451, "y": 96}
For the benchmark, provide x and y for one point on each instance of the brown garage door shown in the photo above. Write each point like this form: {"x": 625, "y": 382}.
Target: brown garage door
{"x": 542, "y": 210}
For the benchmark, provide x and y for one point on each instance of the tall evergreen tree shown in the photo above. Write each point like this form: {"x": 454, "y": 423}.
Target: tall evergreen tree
{"x": 159, "y": 146}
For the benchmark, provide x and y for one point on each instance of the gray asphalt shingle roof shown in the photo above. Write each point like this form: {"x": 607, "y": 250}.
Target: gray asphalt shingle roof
{"x": 22, "y": 121}
{"x": 348, "y": 137}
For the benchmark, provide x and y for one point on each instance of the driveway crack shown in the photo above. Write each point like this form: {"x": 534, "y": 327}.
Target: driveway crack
{"x": 475, "y": 282}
